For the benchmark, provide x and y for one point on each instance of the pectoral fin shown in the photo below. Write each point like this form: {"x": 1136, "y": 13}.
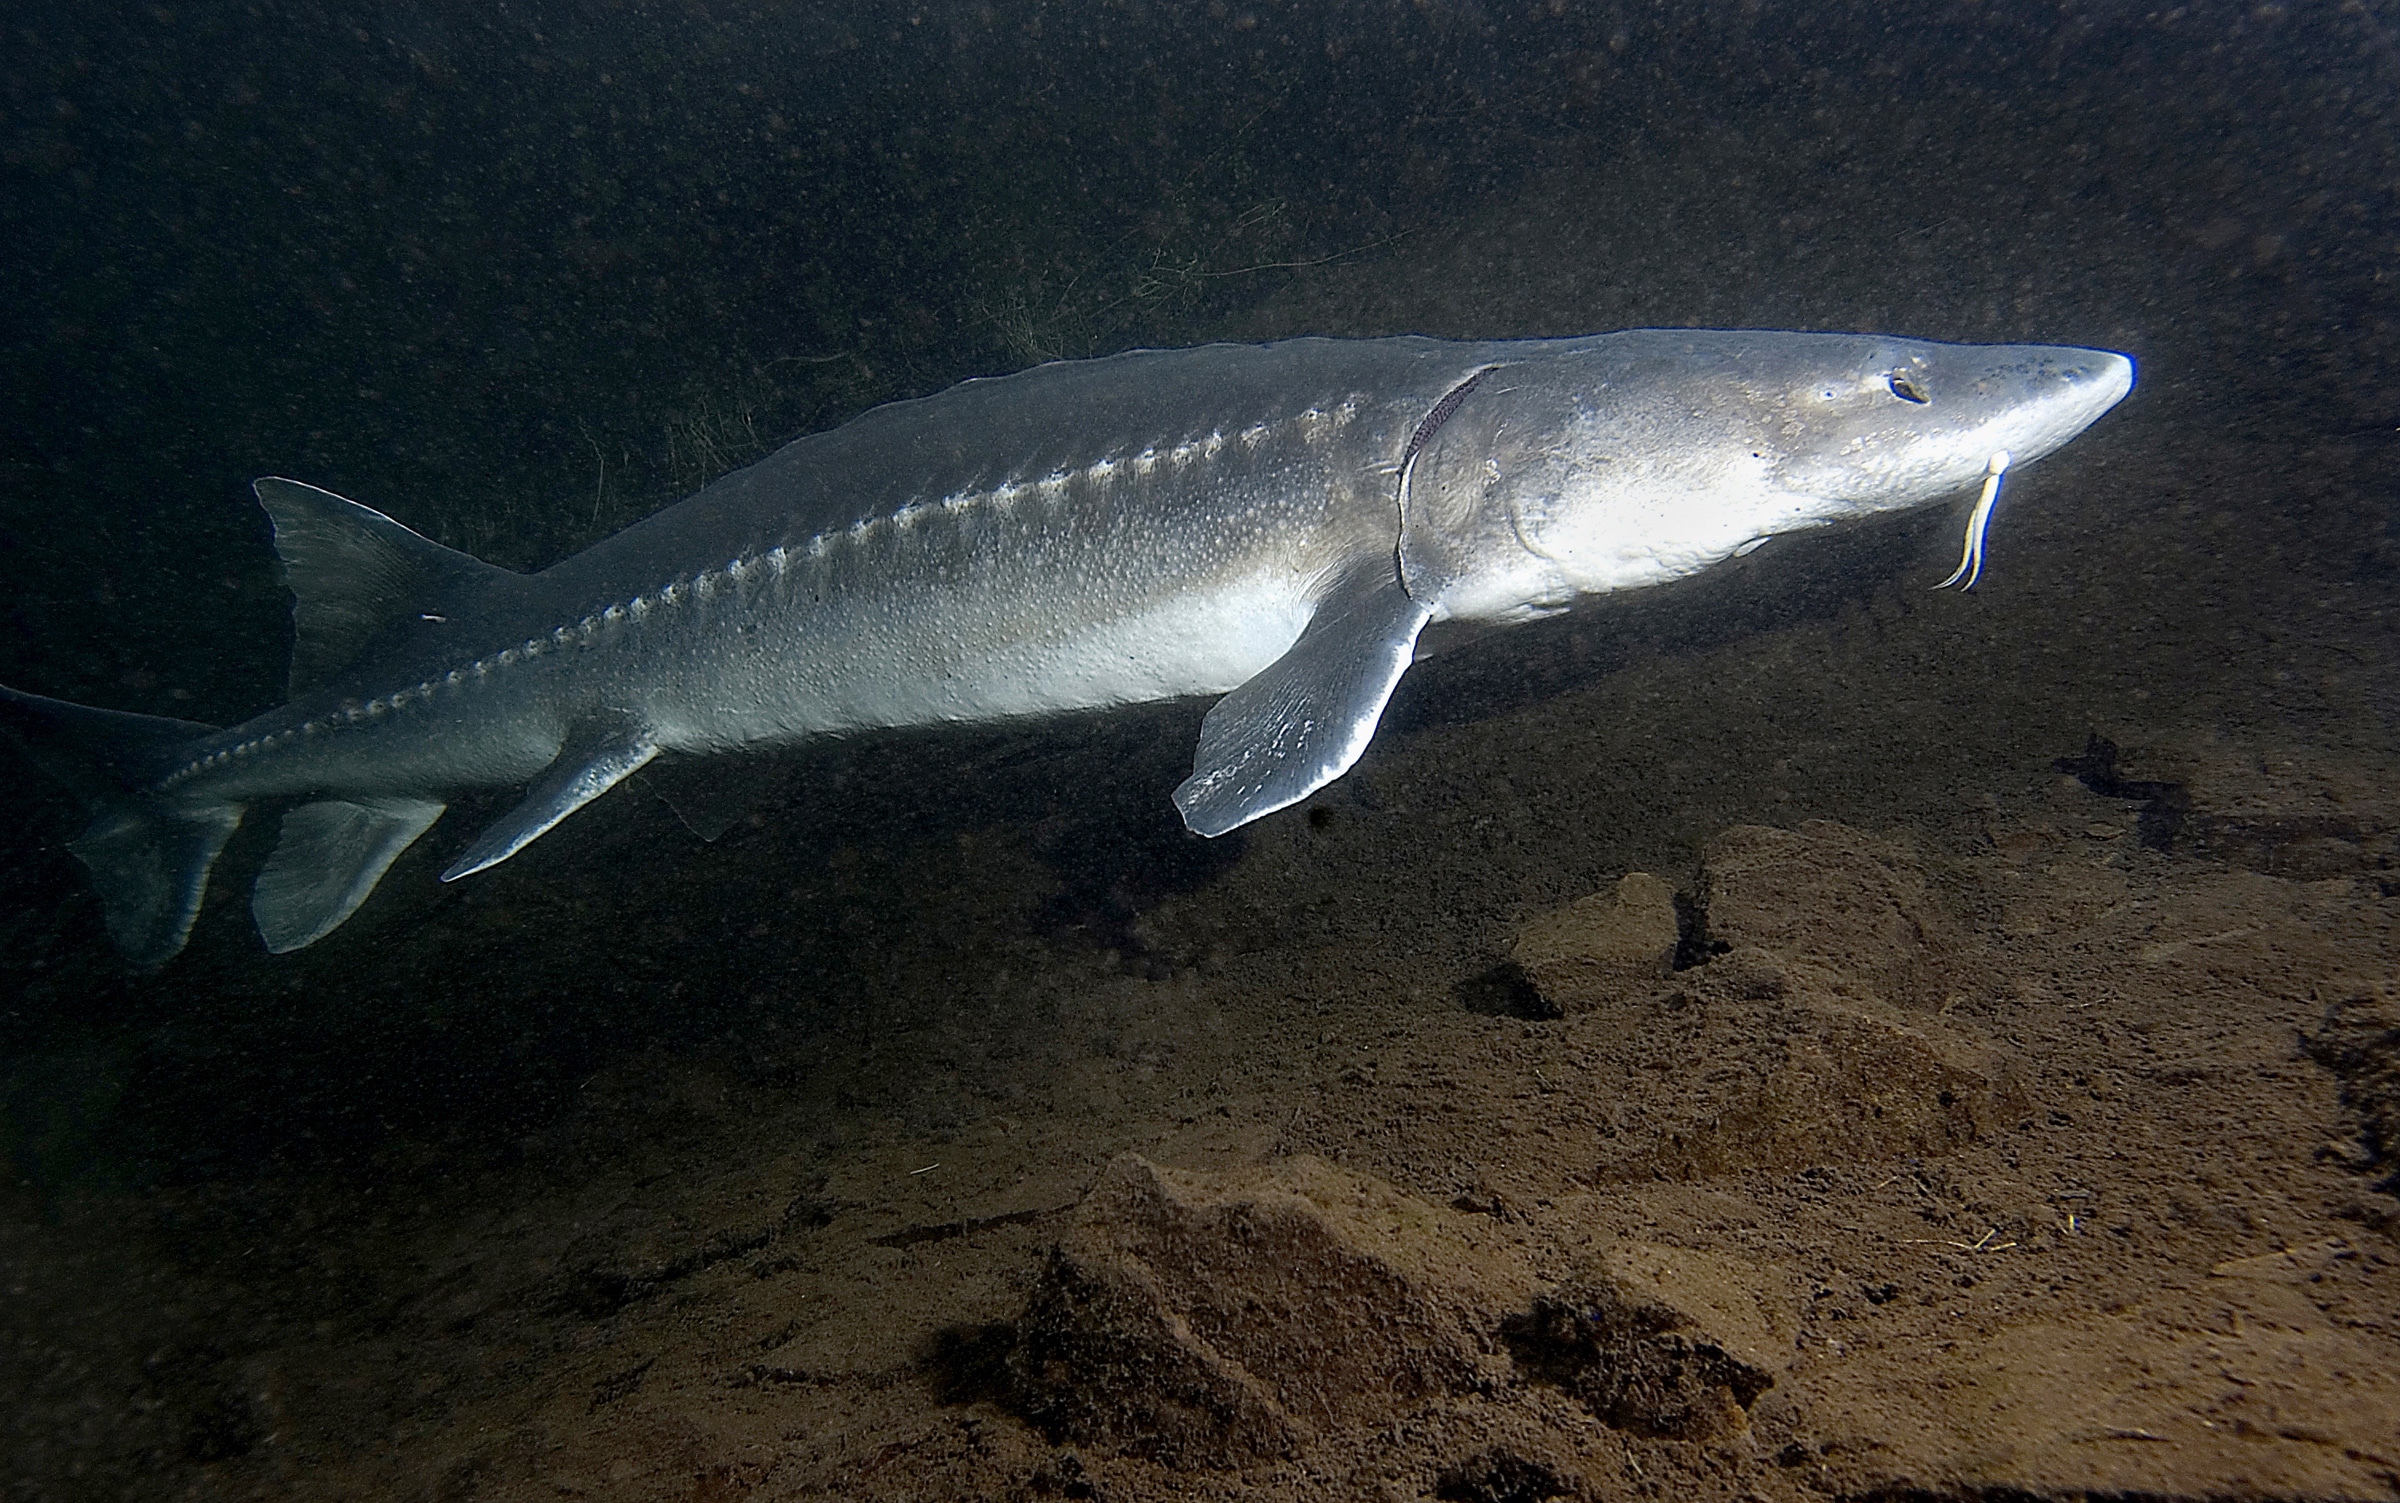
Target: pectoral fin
{"x": 594, "y": 759}
{"x": 1301, "y": 722}
{"x": 328, "y": 858}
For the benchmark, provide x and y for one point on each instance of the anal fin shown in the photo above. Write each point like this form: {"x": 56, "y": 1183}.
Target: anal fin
{"x": 328, "y": 857}
{"x": 1305, "y": 718}
{"x": 595, "y": 758}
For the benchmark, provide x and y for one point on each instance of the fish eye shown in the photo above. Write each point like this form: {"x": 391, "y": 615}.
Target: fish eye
{"x": 1905, "y": 389}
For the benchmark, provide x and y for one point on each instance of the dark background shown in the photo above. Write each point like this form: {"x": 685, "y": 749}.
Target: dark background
{"x": 520, "y": 273}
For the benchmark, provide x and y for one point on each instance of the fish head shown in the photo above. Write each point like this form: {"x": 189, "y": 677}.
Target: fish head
{"x": 1875, "y": 425}
{"x": 1625, "y": 460}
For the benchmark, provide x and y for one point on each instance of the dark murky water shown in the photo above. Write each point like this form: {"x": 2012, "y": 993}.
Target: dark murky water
{"x": 518, "y": 274}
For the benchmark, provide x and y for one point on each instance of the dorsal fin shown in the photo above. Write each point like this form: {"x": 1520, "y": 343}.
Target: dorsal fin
{"x": 351, "y": 569}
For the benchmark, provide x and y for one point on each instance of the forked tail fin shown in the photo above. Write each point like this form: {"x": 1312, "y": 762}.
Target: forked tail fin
{"x": 148, "y": 859}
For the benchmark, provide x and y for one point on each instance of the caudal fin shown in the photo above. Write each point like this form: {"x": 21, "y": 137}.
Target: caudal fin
{"x": 148, "y": 859}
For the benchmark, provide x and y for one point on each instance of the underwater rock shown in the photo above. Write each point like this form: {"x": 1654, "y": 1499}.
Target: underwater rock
{"x": 1820, "y": 1010}
{"x": 1822, "y": 1016}
{"x": 1497, "y": 1475}
{"x": 1102, "y": 1356}
{"x": 1603, "y": 948}
{"x": 1661, "y": 1340}
{"x": 1749, "y": 973}
{"x": 2289, "y": 811}
{"x": 2360, "y": 1043}
{"x": 1210, "y": 1319}
{"x": 1827, "y": 897}
{"x": 1833, "y": 958}
{"x": 1810, "y": 1078}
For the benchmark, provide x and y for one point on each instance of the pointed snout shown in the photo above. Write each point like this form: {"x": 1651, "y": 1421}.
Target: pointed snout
{"x": 2103, "y": 376}
{"x": 2046, "y": 394}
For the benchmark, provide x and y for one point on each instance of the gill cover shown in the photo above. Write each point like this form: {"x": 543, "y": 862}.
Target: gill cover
{"x": 1465, "y": 550}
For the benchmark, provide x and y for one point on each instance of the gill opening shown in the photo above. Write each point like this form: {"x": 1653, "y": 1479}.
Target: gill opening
{"x": 1426, "y": 428}
{"x": 1970, "y": 558}
{"x": 1432, "y": 421}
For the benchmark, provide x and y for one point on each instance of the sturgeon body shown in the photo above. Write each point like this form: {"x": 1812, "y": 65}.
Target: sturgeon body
{"x": 1276, "y": 524}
